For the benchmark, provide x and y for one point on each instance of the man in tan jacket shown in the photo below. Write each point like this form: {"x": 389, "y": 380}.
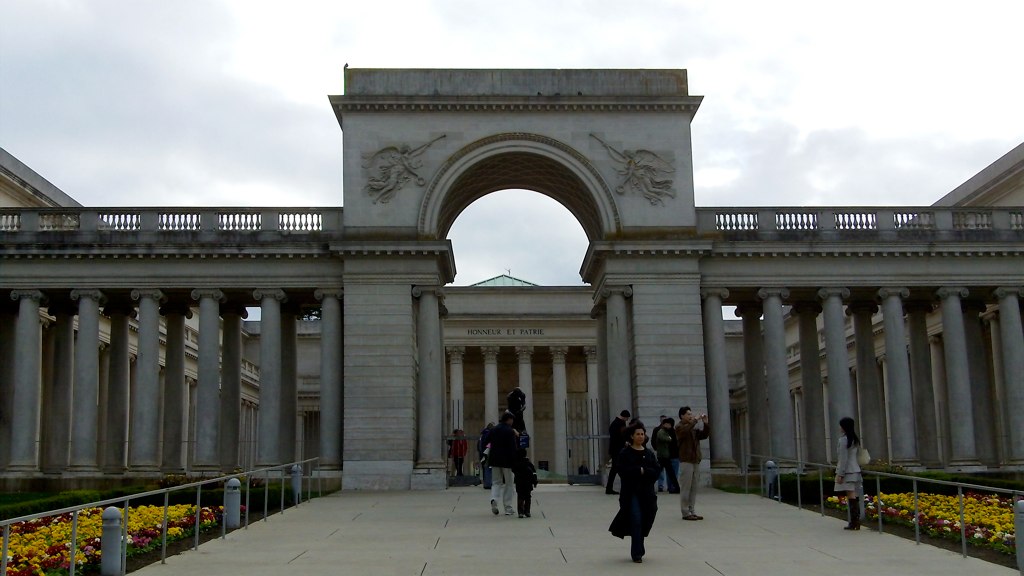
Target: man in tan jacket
{"x": 689, "y": 432}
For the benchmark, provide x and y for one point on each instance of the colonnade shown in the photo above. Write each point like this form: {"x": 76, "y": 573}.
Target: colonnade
{"x": 931, "y": 403}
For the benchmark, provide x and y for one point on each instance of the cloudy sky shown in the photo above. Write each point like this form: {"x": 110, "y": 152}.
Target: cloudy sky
{"x": 224, "y": 103}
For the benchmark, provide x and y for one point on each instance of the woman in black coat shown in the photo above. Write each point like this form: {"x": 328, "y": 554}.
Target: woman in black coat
{"x": 638, "y": 502}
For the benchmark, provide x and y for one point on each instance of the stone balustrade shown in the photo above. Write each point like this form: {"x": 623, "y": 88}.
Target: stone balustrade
{"x": 171, "y": 220}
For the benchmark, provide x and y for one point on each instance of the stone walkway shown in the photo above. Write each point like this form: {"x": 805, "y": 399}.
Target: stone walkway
{"x": 454, "y": 532}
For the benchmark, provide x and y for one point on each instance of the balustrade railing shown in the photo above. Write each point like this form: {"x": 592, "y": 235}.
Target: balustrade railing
{"x": 858, "y": 219}
{"x": 170, "y": 220}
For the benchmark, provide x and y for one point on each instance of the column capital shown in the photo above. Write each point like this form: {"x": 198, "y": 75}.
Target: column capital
{"x": 214, "y": 293}
{"x": 524, "y": 352}
{"x": 1005, "y": 291}
{"x": 558, "y": 353}
{"x": 860, "y": 306}
{"x": 89, "y": 293}
{"x": 420, "y": 290}
{"x": 805, "y": 307}
{"x": 952, "y": 291}
{"x": 897, "y": 291}
{"x": 490, "y": 353}
{"x": 455, "y": 354}
{"x": 591, "y": 353}
{"x": 35, "y": 295}
{"x": 721, "y": 293}
{"x": 275, "y": 293}
{"x": 626, "y": 291}
{"x": 765, "y": 293}
{"x": 826, "y": 292}
{"x": 154, "y": 293}
{"x": 332, "y": 292}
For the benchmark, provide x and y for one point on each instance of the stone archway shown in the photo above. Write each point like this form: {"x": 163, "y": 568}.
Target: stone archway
{"x": 525, "y": 161}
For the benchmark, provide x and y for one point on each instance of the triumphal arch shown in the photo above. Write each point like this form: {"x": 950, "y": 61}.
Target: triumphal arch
{"x": 150, "y": 366}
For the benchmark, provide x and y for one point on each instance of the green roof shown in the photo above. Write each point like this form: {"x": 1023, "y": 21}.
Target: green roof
{"x": 504, "y": 280}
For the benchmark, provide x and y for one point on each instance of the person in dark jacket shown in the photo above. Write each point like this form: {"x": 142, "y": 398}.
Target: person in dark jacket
{"x": 526, "y": 481}
{"x": 517, "y": 405}
{"x": 638, "y": 502}
{"x": 481, "y": 451}
{"x": 667, "y": 450}
{"x": 616, "y": 441}
{"x": 504, "y": 453}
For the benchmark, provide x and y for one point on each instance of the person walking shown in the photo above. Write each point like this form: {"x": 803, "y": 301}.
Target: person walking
{"x": 457, "y": 449}
{"x": 848, "y": 473}
{"x": 526, "y": 481}
{"x": 638, "y": 502}
{"x": 616, "y": 441}
{"x": 689, "y": 432}
{"x": 504, "y": 452}
{"x": 482, "y": 445}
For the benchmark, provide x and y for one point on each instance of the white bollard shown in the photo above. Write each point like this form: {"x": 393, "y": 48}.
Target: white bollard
{"x": 297, "y": 483}
{"x": 232, "y": 503}
{"x": 110, "y": 542}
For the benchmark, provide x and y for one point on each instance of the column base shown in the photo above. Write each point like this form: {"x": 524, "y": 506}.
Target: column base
{"x": 429, "y": 477}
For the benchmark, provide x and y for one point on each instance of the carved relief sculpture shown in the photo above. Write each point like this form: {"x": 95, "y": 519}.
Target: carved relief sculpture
{"x": 642, "y": 171}
{"x": 389, "y": 169}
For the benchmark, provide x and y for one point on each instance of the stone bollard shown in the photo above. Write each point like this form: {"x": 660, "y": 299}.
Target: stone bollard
{"x": 110, "y": 542}
{"x": 232, "y": 503}
{"x": 297, "y": 483}
{"x": 1018, "y": 523}
{"x": 771, "y": 477}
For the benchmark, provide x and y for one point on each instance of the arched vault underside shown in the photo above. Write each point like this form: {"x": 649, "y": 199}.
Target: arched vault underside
{"x": 556, "y": 172}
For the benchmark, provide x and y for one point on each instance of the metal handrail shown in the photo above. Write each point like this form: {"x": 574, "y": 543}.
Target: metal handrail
{"x": 6, "y": 524}
{"x": 1015, "y": 495}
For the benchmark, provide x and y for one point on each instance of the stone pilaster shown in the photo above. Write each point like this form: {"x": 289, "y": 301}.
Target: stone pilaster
{"x": 1012, "y": 339}
{"x": 840, "y": 388}
{"x": 617, "y": 349}
{"x": 207, "y": 450}
{"x": 491, "y": 409}
{"x": 430, "y": 391}
{"x": 24, "y": 451}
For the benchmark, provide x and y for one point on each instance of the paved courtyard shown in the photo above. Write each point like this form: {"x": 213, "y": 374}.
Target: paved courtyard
{"x": 454, "y": 532}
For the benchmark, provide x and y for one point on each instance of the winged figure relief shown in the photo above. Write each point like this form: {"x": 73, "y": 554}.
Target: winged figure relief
{"x": 642, "y": 171}
{"x": 391, "y": 168}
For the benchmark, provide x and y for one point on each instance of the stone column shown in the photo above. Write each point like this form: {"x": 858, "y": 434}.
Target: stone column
{"x": 8, "y": 321}
{"x": 938, "y": 361}
{"x": 491, "y": 410}
{"x": 144, "y": 443}
{"x": 430, "y": 382}
{"x": 964, "y": 452}
{"x": 901, "y": 397}
{"x": 982, "y": 403}
{"x": 231, "y": 386}
{"x": 840, "y": 388}
{"x": 24, "y": 451}
{"x": 525, "y": 356}
{"x": 117, "y": 393}
{"x": 1012, "y": 338}
{"x": 559, "y": 395}
{"x": 814, "y": 417}
{"x": 926, "y": 430}
{"x": 57, "y": 408}
{"x": 620, "y": 388}
{"x": 780, "y": 403}
{"x": 593, "y": 413}
{"x": 289, "y": 383}
{"x": 456, "y": 386}
{"x": 85, "y": 393}
{"x": 758, "y": 429}
{"x": 869, "y": 385}
{"x": 717, "y": 378}
{"x": 331, "y": 396}
{"x": 269, "y": 420}
{"x": 175, "y": 393}
{"x": 207, "y": 451}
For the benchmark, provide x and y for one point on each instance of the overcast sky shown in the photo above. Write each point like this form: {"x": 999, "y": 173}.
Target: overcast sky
{"x": 158, "y": 103}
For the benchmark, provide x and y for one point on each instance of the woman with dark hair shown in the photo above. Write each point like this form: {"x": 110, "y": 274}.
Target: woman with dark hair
{"x": 638, "y": 502}
{"x": 848, "y": 475}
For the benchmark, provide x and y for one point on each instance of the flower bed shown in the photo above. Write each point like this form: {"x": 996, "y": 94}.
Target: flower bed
{"x": 988, "y": 519}
{"x": 41, "y": 547}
